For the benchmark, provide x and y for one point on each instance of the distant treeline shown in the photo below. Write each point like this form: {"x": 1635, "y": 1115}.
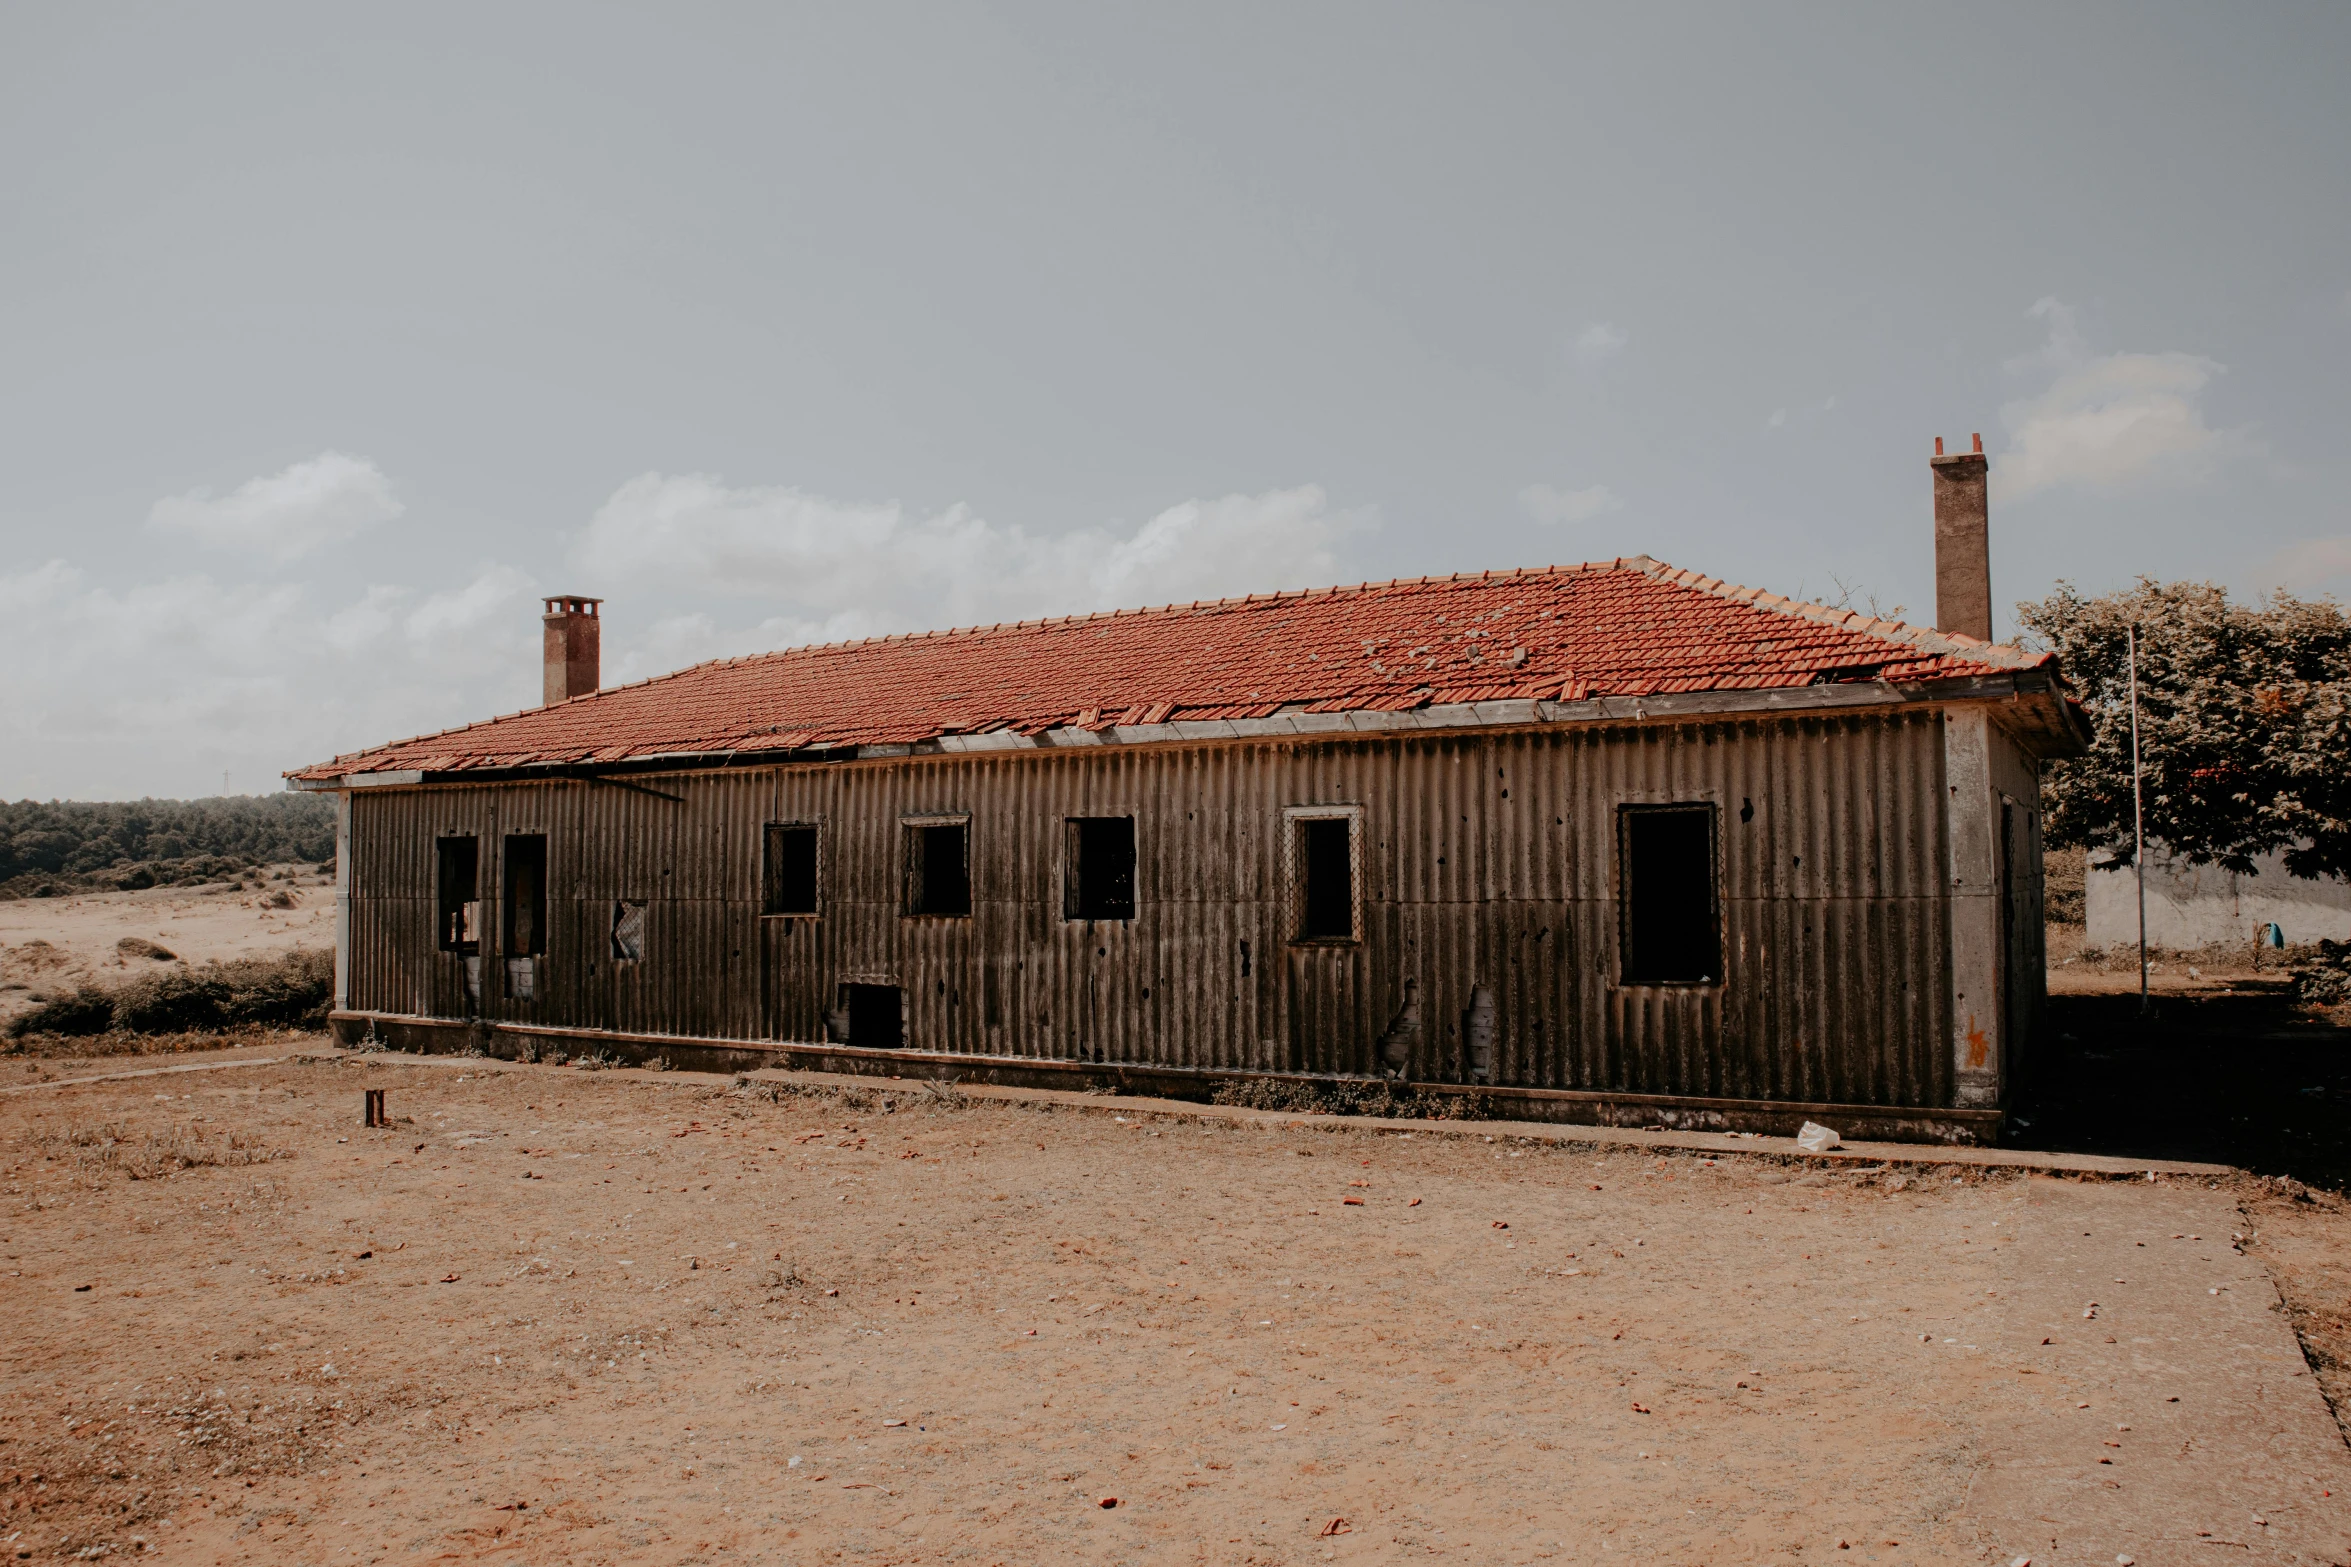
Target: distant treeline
{"x": 77, "y": 839}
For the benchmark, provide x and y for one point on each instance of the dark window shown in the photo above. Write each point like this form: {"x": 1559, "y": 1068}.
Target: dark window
{"x": 938, "y": 868}
{"x": 1326, "y": 878}
{"x": 791, "y": 868}
{"x": 628, "y": 932}
{"x": 526, "y": 895}
{"x": 459, "y": 880}
{"x": 1099, "y": 883}
{"x": 1666, "y": 862}
{"x": 877, "y": 1016}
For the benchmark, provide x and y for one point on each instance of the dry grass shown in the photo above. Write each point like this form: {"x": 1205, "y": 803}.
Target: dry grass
{"x": 1352, "y": 1097}
{"x": 149, "y": 1155}
{"x": 76, "y": 1047}
{"x": 290, "y": 990}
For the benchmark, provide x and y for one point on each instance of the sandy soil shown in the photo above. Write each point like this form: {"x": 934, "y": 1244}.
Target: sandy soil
{"x": 2078, "y": 969}
{"x": 2304, "y": 1238}
{"x": 630, "y": 1317}
{"x": 48, "y": 945}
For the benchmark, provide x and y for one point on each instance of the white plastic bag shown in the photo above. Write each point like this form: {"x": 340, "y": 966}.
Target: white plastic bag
{"x": 1816, "y": 1138}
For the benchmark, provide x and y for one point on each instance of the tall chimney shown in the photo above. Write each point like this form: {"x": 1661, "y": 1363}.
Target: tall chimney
{"x": 1963, "y": 544}
{"x": 574, "y": 635}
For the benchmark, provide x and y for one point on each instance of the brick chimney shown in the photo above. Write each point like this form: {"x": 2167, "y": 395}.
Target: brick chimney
{"x": 1963, "y": 544}
{"x": 574, "y": 635}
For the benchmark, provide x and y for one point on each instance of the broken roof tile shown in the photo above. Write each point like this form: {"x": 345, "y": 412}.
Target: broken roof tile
{"x": 1628, "y": 627}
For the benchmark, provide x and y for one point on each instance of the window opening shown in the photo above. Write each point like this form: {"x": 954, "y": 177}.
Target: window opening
{"x": 628, "y": 932}
{"x": 1325, "y": 868}
{"x": 1670, "y": 921}
{"x": 459, "y": 880}
{"x": 526, "y": 895}
{"x": 877, "y": 1016}
{"x": 1099, "y": 882}
{"x": 938, "y": 868}
{"x": 791, "y": 868}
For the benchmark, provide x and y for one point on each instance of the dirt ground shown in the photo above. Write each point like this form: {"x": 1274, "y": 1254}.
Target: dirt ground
{"x": 52, "y": 945}
{"x": 555, "y": 1316}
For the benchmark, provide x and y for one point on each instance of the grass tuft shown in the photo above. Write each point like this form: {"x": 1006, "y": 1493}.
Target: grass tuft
{"x": 145, "y": 1156}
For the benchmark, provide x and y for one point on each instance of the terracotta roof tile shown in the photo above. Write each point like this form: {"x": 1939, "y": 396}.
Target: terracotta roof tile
{"x": 1629, "y": 627}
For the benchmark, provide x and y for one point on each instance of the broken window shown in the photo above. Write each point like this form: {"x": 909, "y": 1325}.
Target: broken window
{"x": 1098, "y": 878}
{"x": 1666, "y": 898}
{"x": 876, "y": 1015}
{"x": 526, "y": 895}
{"x": 791, "y": 868}
{"x": 458, "y": 884}
{"x": 938, "y": 865}
{"x": 1322, "y": 856}
{"x": 628, "y": 932}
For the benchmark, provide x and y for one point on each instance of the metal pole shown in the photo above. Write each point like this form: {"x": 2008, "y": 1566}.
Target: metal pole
{"x": 2138, "y": 812}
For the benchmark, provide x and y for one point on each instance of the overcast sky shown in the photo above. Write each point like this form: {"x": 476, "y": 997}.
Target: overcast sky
{"x": 330, "y": 336}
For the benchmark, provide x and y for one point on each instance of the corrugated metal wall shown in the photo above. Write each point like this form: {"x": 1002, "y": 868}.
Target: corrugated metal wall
{"x": 1488, "y": 859}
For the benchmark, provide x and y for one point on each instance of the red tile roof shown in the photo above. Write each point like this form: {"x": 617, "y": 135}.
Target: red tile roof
{"x": 1631, "y": 627}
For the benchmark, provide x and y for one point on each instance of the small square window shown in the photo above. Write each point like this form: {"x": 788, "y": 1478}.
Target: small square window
{"x": 875, "y": 1016}
{"x": 791, "y": 868}
{"x": 938, "y": 867}
{"x": 1098, "y": 882}
{"x": 1666, "y": 898}
{"x": 458, "y": 890}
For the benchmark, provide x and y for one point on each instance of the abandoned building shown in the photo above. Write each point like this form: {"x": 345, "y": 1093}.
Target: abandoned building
{"x": 1612, "y": 842}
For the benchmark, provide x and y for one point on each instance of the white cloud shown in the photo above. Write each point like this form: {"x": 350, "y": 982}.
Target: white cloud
{"x": 322, "y": 500}
{"x": 1600, "y": 342}
{"x": 2111, "y": 422}
{"x": 1781, "y": 416}
{"x": 853, "y": 568}
{"x": 354, "y": 627}
{"x": 675, "y": 641}
{"x": 159, "y": 686}
{"x": 1546, "y": 504}
{"x": 2309, "y": 565}
{"x": 497, "y": 596}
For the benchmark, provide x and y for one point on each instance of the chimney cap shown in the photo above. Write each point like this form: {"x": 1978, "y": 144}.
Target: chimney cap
{"x": 571, "y": 604}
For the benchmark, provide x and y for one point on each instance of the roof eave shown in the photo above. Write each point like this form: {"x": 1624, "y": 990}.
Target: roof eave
{"x": 2060, "y": 730}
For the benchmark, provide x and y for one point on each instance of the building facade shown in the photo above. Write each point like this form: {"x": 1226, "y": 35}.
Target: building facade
{"x": 1711, "y": 902}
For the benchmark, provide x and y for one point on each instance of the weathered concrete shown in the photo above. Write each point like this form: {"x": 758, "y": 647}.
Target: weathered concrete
{"x": 2204, "y": 1436}
{"x": 1578, "y": 1107}
{"x": 2205, "y": 906}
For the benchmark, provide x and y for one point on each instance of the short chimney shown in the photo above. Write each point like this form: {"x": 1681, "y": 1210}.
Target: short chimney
{"x": 574, "y": 635}
{"x": 1963, "y": 544}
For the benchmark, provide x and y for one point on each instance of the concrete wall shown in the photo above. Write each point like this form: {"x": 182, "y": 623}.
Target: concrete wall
{"x": 2202, "y": 906}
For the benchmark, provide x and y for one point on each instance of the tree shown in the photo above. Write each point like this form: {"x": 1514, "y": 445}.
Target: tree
{"x": 80, "y": 837}
{"x": 2244, "y": 724}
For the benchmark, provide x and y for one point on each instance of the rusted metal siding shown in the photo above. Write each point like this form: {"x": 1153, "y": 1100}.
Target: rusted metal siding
{"x": 1487, "y": 858}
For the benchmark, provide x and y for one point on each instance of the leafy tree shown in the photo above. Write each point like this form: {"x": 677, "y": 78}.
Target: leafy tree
{"x": 2244, "y": 724}
{"x": 75, "y": 837}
